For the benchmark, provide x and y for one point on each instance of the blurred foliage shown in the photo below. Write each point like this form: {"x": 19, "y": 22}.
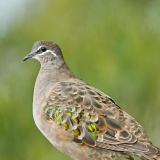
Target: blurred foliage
{"x": 113, "y": 45}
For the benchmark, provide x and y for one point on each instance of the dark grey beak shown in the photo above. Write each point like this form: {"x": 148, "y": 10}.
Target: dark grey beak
{"x": 29, "y": 56}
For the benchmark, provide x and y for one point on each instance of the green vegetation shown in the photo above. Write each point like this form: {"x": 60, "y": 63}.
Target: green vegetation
{"x": 113, "y": 45}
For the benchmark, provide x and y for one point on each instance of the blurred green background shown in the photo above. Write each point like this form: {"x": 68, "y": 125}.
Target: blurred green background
{"x": 113, "y": 45}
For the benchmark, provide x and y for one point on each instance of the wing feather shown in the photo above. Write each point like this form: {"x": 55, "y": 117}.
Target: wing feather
{"x": 94, "y": 118}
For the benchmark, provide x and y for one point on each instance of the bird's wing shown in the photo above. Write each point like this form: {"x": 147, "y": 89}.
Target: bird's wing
{"x": 94, "y": 118}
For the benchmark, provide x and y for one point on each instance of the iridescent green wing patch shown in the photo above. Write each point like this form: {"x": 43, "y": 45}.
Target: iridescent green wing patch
{"x": 84, "y": 111}
{"x": 66, "y": 120}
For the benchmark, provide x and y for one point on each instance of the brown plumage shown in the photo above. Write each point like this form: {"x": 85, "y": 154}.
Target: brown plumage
{"x": 80, "y": 120}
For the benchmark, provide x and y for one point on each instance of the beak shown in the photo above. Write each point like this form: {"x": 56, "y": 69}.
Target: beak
{"x": 29, "y": 56}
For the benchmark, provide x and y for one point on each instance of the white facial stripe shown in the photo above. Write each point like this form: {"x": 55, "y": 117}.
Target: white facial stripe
{"x": 39, "y": 48}
{"x": 52, "y": 52}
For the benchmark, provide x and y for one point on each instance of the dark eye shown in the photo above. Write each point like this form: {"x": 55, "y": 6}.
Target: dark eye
{"x": 43, "y": 49}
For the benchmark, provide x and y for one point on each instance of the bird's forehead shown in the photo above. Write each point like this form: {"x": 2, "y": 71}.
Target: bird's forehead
{"x": 47, "y": 44}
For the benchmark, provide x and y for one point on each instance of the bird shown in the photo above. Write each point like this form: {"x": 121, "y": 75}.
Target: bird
{"x": 80, "y": 120}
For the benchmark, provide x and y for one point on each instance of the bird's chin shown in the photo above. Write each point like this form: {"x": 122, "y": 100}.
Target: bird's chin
{"x": 37, "y": 58}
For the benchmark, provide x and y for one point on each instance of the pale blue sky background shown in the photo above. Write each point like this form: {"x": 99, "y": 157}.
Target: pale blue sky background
{"x": 9, "y": 11}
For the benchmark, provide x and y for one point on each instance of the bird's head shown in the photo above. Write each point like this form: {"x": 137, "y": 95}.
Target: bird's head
{"x": 45, "y": 51}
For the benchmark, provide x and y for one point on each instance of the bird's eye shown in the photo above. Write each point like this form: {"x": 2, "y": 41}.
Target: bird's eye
{"x": 43, "y": 49}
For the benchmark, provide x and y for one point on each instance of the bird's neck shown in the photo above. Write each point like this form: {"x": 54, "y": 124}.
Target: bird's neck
{"x": 50, "y": 74}
{"x": 53, "y": 73}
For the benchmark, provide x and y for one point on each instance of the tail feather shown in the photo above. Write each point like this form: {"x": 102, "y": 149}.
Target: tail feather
{"x": 153, "y": 155}
{"x": 145, "y": 151}
{"x": 156, "y": 157}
